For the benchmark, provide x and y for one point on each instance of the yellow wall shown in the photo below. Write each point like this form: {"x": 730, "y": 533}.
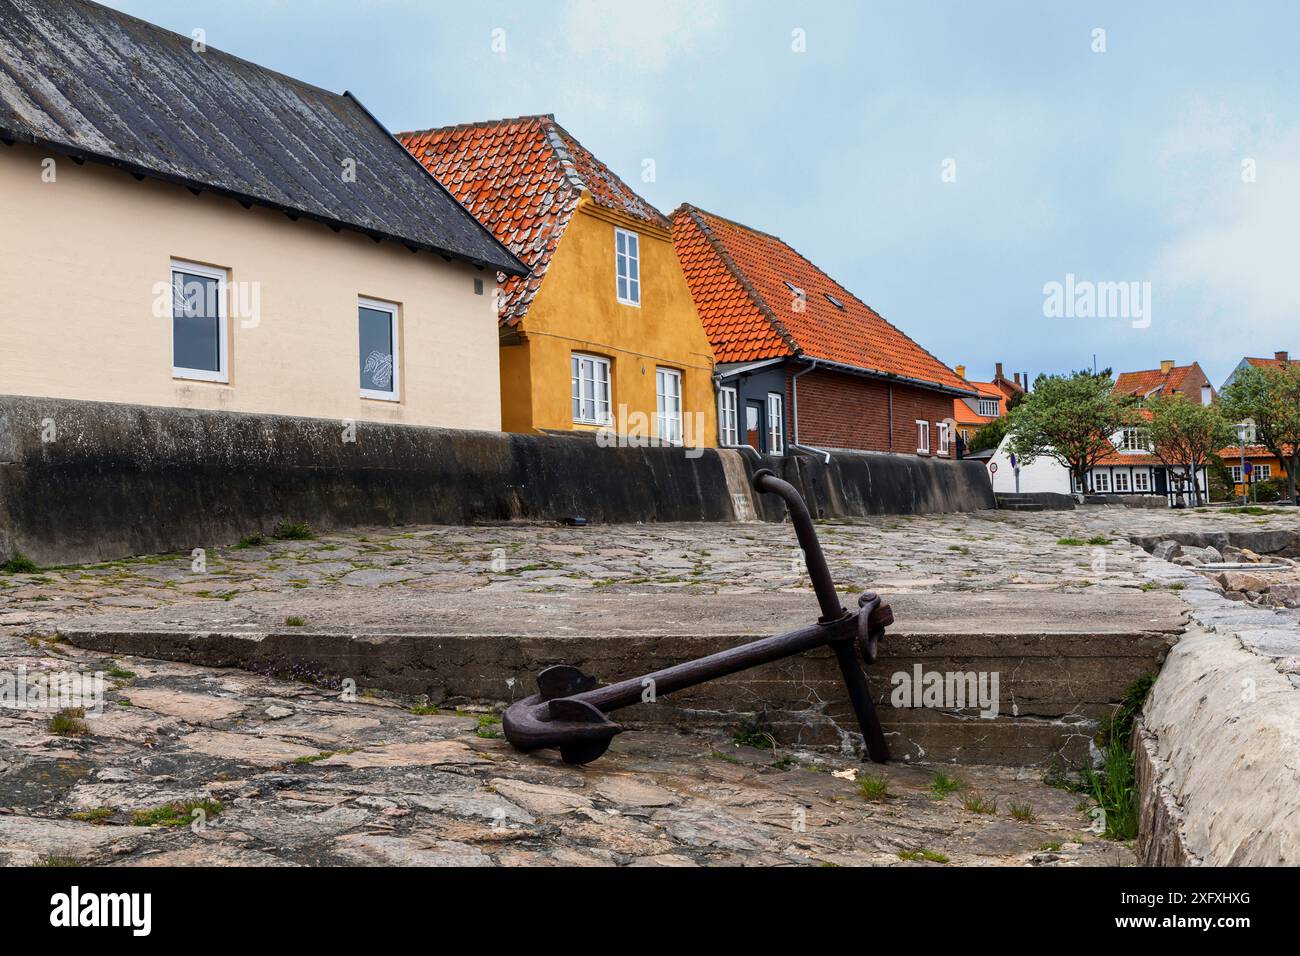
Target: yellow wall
{"x": 577, "y": 309}
{"x": 80, "y": 258}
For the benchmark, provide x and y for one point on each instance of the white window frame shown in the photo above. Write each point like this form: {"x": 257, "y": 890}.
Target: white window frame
{"x": 922, "y": 437}
{"x": 222, "y": 375}
{"x": 1141, "y": 481}
{"x": 943, "y": 438}
{"x": 988, "y": 407}
{"x": 1135, "y": 439}
{"x": 775, "y": 423}
{"x": 395, "y": 327}
{"x": 728, "y": 416}
{"x": 1121, "y": 482}
{"x": 1074, "y": 484}
{"x": 1236, "y": 474}
{"x": 1263, "y": 472}
{"x": 668, "y": 421}
{"x": 576, "y": 381}
{"x": 633, "y": 265}
{"x": 1101, "y": 482}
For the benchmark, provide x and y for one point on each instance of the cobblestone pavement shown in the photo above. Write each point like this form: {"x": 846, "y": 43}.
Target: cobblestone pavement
{"x": 303, "y": 777}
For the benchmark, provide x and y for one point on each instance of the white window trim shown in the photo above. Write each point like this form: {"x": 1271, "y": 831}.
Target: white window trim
{"x": 943, "y": 438}
{"x": 728, "y": 430}
{"x": 222, "y": 375}
{"x": 985, "y": 404}
{"x": 628, "y": 235}
{"x": 1121, "y": 477}
{"x": 1263, "y": 472}
{"x": 922, "y": 437}
{"x": 597, "y": 361}
{"x": 1101, "y": 482}
{"x": 668, "y": 416}
{"x": 775, "y": 423}
{"x": 396, "y": 394}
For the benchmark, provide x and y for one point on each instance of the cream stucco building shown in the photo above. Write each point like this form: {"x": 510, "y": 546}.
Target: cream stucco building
{"x": 278, "y": 253}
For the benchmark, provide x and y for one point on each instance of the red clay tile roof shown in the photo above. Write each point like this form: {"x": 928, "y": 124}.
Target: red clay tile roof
{"x": 523, "y": 178}
{"x": 1143, "y": 383}
{"x": 738, "y": 277}
{"x": 1130, "y": 458}
{"x": 1267, "y": 362}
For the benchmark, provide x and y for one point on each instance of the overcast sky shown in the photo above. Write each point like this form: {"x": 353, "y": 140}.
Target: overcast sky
{"x": 832, "y": 124}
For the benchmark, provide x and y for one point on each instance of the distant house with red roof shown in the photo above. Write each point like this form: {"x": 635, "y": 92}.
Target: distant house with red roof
{"x": 802, "y": 361}
{"x": 601, "y": 335}
{"x": 1130, "y": 468}
{"x": 991, "y": 401}
{"x": 1254, "y": 463}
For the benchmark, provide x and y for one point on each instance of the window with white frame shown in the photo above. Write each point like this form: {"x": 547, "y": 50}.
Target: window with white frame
{"x": 668, "y": 404}
{"x": 199, "y": 326}
{"x": 627, "y": 264}
{"x": 943, "y": 438}
{"x": 1135, "y": 439}
{"x": 728, "y": 425}
{"x": 1236, "y": 474}
{"x": 590, "y": 376}
{"x": 922, "y": 437}
{"x": 1263, "y": 472}
{"x": 377, "y": 334}
{"x": 1141, "y": 481}
{"x": 1121, "y": 481}
{"x": 1074, "y": 484}
{"x": 1101, "y": 481}
{"x": 989, "y": 407}
{"x": 775, "y": 423}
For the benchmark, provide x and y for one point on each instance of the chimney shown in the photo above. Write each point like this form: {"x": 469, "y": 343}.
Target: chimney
{"x": 1017, "y": 380}
{"x": 961, "y": 372}
{"x": 1281, "y": 357}
{"x": 999, "y": 372}
{"x": 1166, "y": 366}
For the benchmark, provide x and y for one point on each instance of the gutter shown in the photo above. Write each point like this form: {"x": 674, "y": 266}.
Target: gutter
{"x": 794, "y": 396}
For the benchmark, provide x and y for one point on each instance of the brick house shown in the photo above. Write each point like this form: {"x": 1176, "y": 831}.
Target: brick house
{"x": 802, "y": 362}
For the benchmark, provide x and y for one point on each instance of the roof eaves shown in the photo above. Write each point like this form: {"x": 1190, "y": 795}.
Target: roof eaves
{"x": 890, "y": 377}
{"x": 518, "y": 269}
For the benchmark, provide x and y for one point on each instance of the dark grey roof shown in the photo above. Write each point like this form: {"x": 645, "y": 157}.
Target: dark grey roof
{"x": 91, "y": 82}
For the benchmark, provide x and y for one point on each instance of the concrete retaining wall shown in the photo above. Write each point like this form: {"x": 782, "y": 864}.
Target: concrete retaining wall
{"x": 88, "y": 481}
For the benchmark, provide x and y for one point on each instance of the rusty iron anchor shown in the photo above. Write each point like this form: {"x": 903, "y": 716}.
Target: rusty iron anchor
{"x": 569, "y": 709}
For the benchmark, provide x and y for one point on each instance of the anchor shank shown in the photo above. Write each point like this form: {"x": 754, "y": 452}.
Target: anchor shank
{"x": 732, "y": 660}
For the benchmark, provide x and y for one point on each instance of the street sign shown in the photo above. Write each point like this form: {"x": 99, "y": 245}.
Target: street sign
{"x": 1249, "y": 467}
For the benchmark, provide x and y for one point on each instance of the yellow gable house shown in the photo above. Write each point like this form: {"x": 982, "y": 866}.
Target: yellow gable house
{"x": 603, "y": 332}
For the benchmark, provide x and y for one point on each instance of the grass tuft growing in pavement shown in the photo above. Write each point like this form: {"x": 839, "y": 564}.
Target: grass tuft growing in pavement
{"x": 489, "y": 726}
{"x": 69, "y": 722}
{"x": 294, "y": 531}
{"x": 976, "y": 802}
{"x": 874, "y": 789}
{"x": 942, "y": 785}
{"x": 176, "y": 814}
{"x": 1024, "y": 812}
{"x": 928, "y": 855}
{"x": 19, "y": 564}
{"x": 1113, "y": 785}
{"x": 96, "y": 815}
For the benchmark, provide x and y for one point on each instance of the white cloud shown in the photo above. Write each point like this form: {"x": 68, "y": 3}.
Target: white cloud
{"x": 642, "y": 36}
{"x": 1237, "y": 244}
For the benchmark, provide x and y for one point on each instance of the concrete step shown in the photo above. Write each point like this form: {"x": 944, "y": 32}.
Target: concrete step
{"x": 1060, "y": 664}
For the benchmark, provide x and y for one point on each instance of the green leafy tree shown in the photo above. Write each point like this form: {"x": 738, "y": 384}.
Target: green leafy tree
{"x": 1187, "y": 435}
{"x": 1070, "y": 419}
{"x": 1270, "y": 397}
{"x": 989, "y": 436}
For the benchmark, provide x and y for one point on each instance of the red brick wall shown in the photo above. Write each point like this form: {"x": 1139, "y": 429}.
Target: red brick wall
{"x": 849, "y": 411}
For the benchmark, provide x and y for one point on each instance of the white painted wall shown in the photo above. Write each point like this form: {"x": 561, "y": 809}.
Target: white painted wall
{"x": 1042, "y": 474}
